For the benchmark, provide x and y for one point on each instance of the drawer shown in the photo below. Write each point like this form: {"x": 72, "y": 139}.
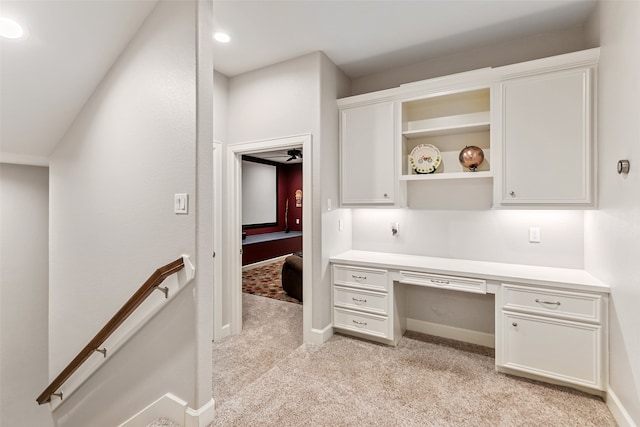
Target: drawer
{"x": 572, "y": 305}
{"x": 361, "y": 277}
{"x": 464, "y": 284}
{"x": 363, "y": 323}
{"x": 359, "y": 299}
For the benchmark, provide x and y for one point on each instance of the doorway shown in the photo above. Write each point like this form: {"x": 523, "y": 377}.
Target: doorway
{"x": 233, "y": 225}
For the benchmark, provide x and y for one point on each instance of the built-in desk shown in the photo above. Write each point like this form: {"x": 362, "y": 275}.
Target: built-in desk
{"x": 551, "y": 323}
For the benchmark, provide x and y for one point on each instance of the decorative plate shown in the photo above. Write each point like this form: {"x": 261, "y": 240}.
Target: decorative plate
{"x": 425, "y": 158}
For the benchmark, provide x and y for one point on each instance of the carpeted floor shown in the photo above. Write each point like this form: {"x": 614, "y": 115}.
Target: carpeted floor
{"x": 262, "y": 377}
{"x": 265, "y": 281}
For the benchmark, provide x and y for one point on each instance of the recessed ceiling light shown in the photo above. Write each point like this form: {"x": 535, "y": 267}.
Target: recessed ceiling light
{"x": 222, "y": 37}
{"x": 10, "y": 29}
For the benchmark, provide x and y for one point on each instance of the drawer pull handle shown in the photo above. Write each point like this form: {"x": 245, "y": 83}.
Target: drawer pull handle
{"x": 440, "y": 282}
{"x": 359, "y": 323}
{"x": 514, "y": 324}
{"x": 358, "y": 278}
{"x": 356, "y": 300}
{"x": 539, "y": 301}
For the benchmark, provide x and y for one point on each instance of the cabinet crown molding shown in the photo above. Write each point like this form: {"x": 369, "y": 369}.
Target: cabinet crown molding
{"x": 481, "y": 76}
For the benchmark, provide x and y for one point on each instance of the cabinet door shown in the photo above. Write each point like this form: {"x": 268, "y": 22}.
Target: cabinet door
{"x": 547, "y": 139}
{"x": 367, "y": 155}
{"x": 563, "y": 350}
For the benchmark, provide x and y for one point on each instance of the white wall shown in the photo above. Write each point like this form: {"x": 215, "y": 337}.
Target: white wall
{"x": 291, "y": 98}
{"x": 333, "y": 84}
{"x": 276, "y": 101}
{"x": 220, "y": 105}
{"x": 204, "y": 206}
{"x": 24, "y": 294}
{"x": 113, "y": 177}
{"x": 220, "y": 134}
{"x": 484, "y": 235}
{"x": 516, "y": 50}
{"x": 612, "y": 242}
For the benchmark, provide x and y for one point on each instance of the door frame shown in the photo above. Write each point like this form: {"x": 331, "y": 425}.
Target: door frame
{"x": 233, "y": 228}
{"x": 220, "y": 330}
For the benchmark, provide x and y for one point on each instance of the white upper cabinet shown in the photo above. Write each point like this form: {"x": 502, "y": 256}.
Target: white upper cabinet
{"x": 533, "y": 122}
{"x": 367, "y": 172}
{"x": 547, "y": 138}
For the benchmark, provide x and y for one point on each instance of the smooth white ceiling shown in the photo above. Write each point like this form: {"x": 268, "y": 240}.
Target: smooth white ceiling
{"x": 46, "y": 79}
{"x": 368, "y": 36}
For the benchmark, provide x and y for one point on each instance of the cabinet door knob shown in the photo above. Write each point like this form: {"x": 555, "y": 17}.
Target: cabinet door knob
{"x": 514, "y": 324}
{"x": 385, "y": 195}
{"x": 512, "y": 194}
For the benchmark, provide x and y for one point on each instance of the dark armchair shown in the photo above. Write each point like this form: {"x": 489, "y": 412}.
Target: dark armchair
{"x": 292, "y": 276}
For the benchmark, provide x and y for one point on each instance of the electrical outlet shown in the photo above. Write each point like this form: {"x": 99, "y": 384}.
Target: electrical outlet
{"x": 394, "y": 228}
{"x": 534, "y": 234}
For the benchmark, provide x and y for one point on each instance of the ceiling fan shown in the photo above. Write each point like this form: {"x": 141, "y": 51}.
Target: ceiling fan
{"x": 295, "y": 154}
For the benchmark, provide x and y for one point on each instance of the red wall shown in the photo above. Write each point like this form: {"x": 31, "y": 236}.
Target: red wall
{"x": 289, "y": 180}
{"x": 271, "y": 249}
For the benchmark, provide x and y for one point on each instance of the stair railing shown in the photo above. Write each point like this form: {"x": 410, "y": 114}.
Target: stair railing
{"x": 152, "y": 284}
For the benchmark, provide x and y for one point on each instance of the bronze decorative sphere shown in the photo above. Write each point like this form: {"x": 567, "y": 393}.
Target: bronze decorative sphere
{"x": 471, "y": 157}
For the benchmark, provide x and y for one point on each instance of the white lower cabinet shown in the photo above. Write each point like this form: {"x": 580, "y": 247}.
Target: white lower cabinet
{"x": 552, "y": 333}
{"x": 545, "y": 330}
{"x": 364, "y": 304}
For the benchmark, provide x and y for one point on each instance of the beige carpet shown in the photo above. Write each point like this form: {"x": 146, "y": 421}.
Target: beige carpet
{"x": 262, "y": 379}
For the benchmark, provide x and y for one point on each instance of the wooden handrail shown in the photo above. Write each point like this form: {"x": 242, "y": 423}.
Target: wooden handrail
{"x": 129, "y": 307}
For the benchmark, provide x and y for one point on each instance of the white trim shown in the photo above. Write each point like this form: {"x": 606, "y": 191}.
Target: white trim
{"x": 320, "y": 336}
{"x": 201, "y": 417}
{"x": 167, "y": 406}
{"x": 233, "y": 227}
{"x": 23, "y": 159}
{"x": 147, "y": 310}
{"x": 617, "y": 409}
{"x": 218, "y": 322}
{"x": 225, "y": 331}
{"x": 172, "y": 407}
{"x": 579, "y": 59}
{"x": 450, "y": 332}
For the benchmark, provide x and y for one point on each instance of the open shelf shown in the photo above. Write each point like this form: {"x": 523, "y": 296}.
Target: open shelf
{"x": 449, "y": 122}
{"x": 450, "y": 175}
{"x": 462, "y": 123}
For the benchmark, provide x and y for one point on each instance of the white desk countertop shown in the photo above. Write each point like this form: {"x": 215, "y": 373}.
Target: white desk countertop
{"x": 569, "y": 278}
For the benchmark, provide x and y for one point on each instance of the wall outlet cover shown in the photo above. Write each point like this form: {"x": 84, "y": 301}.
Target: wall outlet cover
{"x": 534, "y": 234}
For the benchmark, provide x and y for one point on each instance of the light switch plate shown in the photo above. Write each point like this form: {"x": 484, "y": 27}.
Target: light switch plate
{"x": 181, "y": 203}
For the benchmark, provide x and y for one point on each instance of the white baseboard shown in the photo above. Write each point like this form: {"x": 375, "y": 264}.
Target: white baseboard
{"x": 444, "y": 331}
{"x": 201, "y": 417}
{"x": 224, "y": 332}
{"x": 175, "y": 409}
{"x": 167, "y": 406}
{"x": 320, "y": 336}
{"x": 620, "y": 414}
